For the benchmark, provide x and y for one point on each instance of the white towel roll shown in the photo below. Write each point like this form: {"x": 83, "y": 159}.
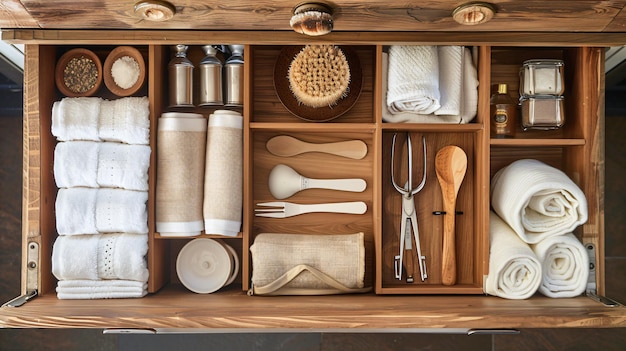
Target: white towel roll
{"x": 100, "y": 289}
{"x": 514, "y": 269}
{"x": 565, "y": 266}
{"x": 101, "y": 164}
{"x": 101, "y": 256}
{"x": 101, "y": 210}
{"x": 413, "y": 79}
{"x": 223, "y": 179}
{"x": 181, "y": 144}
{"x": 537, "y": 200}
{"x": 76, "y": 118}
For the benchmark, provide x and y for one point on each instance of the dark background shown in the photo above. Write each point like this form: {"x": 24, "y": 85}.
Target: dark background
{"x": 93, "y": 339}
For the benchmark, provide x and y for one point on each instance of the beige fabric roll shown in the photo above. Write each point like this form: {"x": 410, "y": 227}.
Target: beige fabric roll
{"x": 223, "y": 178}
{"x": 181, "y": 145}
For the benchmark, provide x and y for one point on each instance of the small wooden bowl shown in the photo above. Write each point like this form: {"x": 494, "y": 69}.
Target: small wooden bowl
{"x": 60, "y": 75}
{"x": 113, "y": 56}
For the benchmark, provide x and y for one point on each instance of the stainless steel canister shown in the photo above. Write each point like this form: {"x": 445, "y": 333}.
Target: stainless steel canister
{"x": 234, "y": 76}
{"x": 210, "y": 77}
{"x": 181, "y": 78}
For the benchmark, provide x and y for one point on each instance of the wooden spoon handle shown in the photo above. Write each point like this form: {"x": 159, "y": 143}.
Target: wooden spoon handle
{"x": 355, "y": 149}
{"x": 448, "y": 258}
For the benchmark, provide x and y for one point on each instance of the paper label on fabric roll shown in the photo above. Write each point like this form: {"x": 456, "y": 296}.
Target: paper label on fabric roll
{"x": 227, "y": 119}
{"x": 182, "y": 124}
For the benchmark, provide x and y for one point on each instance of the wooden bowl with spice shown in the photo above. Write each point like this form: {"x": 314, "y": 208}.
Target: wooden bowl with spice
{"x": 124, "y": 71}
{"x": 78, "y": 73}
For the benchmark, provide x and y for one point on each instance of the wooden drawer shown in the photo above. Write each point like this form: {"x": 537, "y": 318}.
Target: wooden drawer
{"x": 576, "y": 149}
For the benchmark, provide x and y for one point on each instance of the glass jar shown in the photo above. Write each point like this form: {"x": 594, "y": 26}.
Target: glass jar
{"x": 210, "y": 77}
{"x": 503, "y": 113}
{"x": 181, "y": 78}
{"x": 234, "y": 76}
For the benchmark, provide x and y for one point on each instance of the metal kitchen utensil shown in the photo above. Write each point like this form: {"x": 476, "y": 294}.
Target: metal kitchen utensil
{"x": 285, "y": 145}
{"x": 409, "y": 216}
{"x": 281, "y": 209}
{"x": 284, "y": 181}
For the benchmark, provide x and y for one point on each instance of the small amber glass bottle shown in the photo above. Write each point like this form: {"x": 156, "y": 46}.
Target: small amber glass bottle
{"x": 503, "y": 113}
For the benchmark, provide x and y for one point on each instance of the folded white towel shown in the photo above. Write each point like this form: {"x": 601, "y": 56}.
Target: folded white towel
{"x": 223, "y": 177}
{"x": 514, "y": 269}
{"x": 100, "y": 289}
{"x": 413, "y": 79}
{"x": 450, "y": 79}
{"x": 125, "y": 120}
{"x": 468, "y": 103}
{"x": 101, "y": 210}
{"x": 565, "y": 266}
{"x": 101, "y": 164}
{"x": 76, "y": 118}
{"x": 100, "y": 256}
{"x": 537, "y": 200}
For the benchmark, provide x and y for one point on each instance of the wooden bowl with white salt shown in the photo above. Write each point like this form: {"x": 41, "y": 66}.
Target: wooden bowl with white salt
{"x": 124, "y": 71}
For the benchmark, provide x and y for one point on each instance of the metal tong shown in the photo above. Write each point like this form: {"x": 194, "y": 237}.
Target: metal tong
{"x": 409, "y": 215}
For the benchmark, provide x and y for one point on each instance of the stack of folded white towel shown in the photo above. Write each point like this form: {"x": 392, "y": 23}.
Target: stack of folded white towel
{"x": 536, "y": 208}
{"x": 429, "y": 84}
{"x": 101, "y": 168}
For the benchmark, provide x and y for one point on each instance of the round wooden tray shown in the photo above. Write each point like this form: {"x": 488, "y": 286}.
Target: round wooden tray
{"x": 115, "y": 54}
{"x": 316, "y": 114}
{"x": 60, "y": 72}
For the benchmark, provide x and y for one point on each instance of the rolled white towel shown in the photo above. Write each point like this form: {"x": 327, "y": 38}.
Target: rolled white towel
{"x": 565, "y": 266}
{"x": 223, "y": 177}
{"x": 100, "y": 256}
{"x": 125, "y": 120}
{"x": 537, "y": 200}
{"x": 514, "y": 269}
{"x": 413, "y": 79}
{"x": 76, "y": 118}
{"x": 100, "y": 289}
{"x": 101, "y": 164}
{"x": 101, "y": 210}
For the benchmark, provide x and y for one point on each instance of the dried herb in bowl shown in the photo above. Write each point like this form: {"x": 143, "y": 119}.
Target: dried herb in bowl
{"x": 80, "y": 74}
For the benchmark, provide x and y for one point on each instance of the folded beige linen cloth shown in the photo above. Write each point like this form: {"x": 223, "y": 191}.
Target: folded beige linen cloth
{"x": 181, "y": 144}
{"x": 537, "y": 200}
{"x": 514, "y": 269}
{"x": 223, "y": 177}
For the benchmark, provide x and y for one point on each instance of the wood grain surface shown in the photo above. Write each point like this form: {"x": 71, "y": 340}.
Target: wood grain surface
{"x": 350, "y": 15}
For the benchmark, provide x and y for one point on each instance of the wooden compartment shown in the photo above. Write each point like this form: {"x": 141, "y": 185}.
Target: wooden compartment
{"x": 576, "y": 148}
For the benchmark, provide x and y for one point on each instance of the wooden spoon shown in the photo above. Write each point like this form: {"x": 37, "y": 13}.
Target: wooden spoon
{"x": 284, "y": 145}
{"x": 450, "y": 165}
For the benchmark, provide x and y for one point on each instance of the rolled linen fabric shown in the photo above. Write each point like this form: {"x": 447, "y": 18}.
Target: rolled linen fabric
{"x": 100, "y": 256}
{"x": 101, "y": 164}
{"x": 100, "y": 289}
{"x": 413, "y": 84}
{"x": 223, "y": 178}
{"x": 514, "y": 269}
{"x": 181, "y": 145}
{"x": 125, "y": 120}
{"x": 565, "y": 266}
{"x": 76, "y": 118}
{"x": 537, "y": 200}
{"x": 101, "y": 210}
